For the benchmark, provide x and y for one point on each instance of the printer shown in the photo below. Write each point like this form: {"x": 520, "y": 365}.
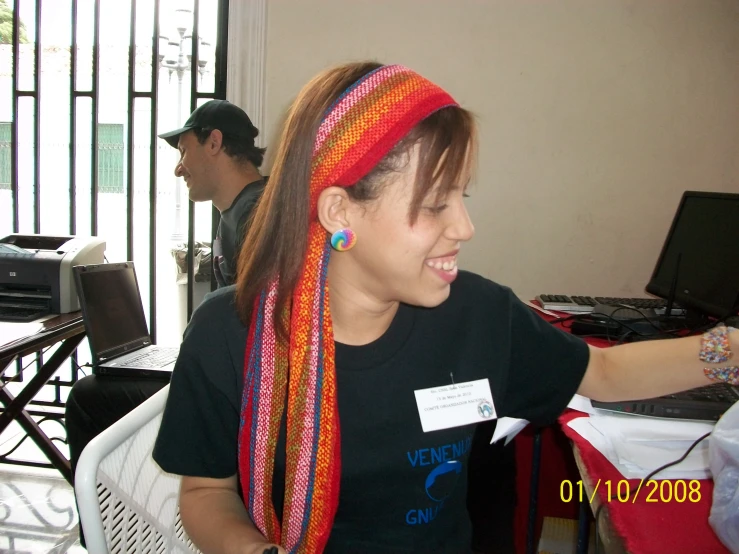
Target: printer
{"x": 36, "y": 273}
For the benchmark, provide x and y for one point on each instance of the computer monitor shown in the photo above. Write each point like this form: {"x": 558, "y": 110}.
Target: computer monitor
{"x": 701, "y": 255}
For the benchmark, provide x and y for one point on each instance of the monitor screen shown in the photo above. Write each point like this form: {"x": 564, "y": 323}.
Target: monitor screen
{"x": 702, "y": 252}
{"x": 112, "y": 307}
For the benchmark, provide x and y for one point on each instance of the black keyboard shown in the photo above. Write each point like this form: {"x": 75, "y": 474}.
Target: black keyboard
{"x": 705, "y": 404}
{"x": 718, "y": 392}
{"x": 585, "y": 304}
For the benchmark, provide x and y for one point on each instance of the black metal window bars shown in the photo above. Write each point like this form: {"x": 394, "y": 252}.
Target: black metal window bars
{"x": 80, "y": 92}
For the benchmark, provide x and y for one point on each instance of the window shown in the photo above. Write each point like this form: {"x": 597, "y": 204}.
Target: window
{"x": 88, "y": 85}
{"x": 110, "y": 157}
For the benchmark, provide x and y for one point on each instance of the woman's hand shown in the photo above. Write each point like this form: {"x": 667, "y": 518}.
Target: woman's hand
{"x": 216, "y": 520}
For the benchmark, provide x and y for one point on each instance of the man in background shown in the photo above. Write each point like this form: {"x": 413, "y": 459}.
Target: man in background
{"x": 219, "y": 162}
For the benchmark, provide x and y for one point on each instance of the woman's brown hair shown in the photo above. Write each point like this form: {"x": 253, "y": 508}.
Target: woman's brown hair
{"x": 277, "y": 238}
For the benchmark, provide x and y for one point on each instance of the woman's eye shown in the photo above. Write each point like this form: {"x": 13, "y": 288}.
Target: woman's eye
{"x": 465, "y": 195}
{"x": 436, "y": 209}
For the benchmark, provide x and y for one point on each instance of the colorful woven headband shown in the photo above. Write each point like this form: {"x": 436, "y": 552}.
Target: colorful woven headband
{"x": 356, "y": 132}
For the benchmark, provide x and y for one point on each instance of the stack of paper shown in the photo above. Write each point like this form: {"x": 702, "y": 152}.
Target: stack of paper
{"x": 637, "y": 445}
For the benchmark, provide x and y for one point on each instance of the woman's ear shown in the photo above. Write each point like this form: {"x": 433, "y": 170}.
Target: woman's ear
{"x": 334, "y": 206}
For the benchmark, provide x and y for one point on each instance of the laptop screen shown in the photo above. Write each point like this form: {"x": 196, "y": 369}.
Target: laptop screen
{"x": 112, "y": 308}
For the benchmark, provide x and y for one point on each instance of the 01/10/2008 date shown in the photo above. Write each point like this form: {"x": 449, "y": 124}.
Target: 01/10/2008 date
{"x": 620, "y": 491}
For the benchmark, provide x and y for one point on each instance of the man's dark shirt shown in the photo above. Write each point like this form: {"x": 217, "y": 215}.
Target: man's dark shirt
{"x": 231, "y": 232}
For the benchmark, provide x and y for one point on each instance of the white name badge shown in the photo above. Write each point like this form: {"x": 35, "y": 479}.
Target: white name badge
{"x": 455, "y": 404}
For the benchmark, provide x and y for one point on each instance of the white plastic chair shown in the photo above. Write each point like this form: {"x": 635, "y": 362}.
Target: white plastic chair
{"x": 127, "y": 503}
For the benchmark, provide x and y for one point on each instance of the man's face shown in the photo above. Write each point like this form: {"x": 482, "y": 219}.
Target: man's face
{"x": 194, "y": 167}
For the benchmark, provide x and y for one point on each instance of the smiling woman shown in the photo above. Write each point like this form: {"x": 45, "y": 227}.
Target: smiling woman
{"x": 347, "y": 324}
{"x": 329, "y": 402}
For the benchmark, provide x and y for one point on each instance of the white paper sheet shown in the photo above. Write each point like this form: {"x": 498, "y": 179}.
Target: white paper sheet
{"x": 637, "y": 446}
{"x": 581, "y": 404}
{"x": 509, "y": 427}
{"x": 648, "y": 429}
{"x": 11, "y": 332}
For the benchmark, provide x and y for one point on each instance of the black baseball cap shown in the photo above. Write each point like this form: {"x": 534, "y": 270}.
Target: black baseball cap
{"x": 228, "y": 118}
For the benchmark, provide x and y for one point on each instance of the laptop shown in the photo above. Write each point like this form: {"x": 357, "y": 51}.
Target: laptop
{"x": 707, "y": 403}
{"x": 116, "y": 325}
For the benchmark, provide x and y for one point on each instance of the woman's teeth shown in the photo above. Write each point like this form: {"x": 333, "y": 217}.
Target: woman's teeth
{"x": 449, "y": 265}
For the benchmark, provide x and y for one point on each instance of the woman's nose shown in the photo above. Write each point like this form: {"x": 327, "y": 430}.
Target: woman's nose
{"x": 461, "y": 228}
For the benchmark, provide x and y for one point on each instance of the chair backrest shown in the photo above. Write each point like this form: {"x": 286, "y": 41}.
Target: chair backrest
{"x": 127, "y": 503}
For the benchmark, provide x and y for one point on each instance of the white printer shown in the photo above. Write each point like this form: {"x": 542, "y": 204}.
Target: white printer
{"x": 36, "y": 273}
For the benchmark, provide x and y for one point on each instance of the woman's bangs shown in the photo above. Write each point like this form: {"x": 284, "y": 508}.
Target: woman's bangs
{"x": 447, "y": 152}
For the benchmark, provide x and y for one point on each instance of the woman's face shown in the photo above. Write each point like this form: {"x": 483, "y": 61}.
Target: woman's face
{"x": 396, "y": 261}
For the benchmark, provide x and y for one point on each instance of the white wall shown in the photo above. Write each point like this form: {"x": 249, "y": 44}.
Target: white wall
{"x": 594, "y": 117}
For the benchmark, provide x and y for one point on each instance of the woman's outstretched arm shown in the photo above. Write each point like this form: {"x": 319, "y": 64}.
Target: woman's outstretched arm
{"x": 649, "y": 369}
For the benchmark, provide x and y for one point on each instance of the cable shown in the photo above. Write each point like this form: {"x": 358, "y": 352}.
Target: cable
{"x": 79, "y": 367}
{"x": 631, "y": 333}
{"x": 644, "y": 316}
{"x": 624, "y": 337}
{"x": 610, "y": 331}
{"x": 623, "y": 322}
{"x": 646, "y": 479}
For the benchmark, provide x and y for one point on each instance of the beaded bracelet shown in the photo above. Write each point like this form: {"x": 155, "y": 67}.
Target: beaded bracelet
{"x": 715, "y": 346}
{"x": 728, "y": 374}
{"x": 716, "y": 349}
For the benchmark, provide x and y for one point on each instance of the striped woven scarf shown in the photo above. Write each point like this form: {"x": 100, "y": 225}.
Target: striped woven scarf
{"x": 356, "y": 132}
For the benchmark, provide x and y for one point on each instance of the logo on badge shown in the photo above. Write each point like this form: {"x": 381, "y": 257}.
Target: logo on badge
{"x": 485, "y": 409}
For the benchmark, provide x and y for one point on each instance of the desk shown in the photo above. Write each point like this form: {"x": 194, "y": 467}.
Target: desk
{"x": 639, "y": 527}
{"x": 681, "y": 525}
{"x": 67, "y": 330}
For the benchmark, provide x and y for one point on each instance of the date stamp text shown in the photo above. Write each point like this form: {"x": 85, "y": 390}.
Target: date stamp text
{"x": 621, "y": 491}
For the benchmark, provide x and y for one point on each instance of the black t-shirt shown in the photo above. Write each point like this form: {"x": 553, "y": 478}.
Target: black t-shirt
{"x": 401, "y": 490}
{"x": 231, "y": 231}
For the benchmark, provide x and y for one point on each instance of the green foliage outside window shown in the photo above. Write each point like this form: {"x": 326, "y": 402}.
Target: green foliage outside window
{"x": 6, "y": 25}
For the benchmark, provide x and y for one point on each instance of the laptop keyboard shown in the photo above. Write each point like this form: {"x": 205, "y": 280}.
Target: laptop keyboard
{"x": 718, "y": 392}
{"x": 156, "y": 358}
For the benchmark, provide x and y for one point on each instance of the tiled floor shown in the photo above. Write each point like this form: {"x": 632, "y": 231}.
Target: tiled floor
{"x": 37, "y": 509}
{"x": 37, "y": 513}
